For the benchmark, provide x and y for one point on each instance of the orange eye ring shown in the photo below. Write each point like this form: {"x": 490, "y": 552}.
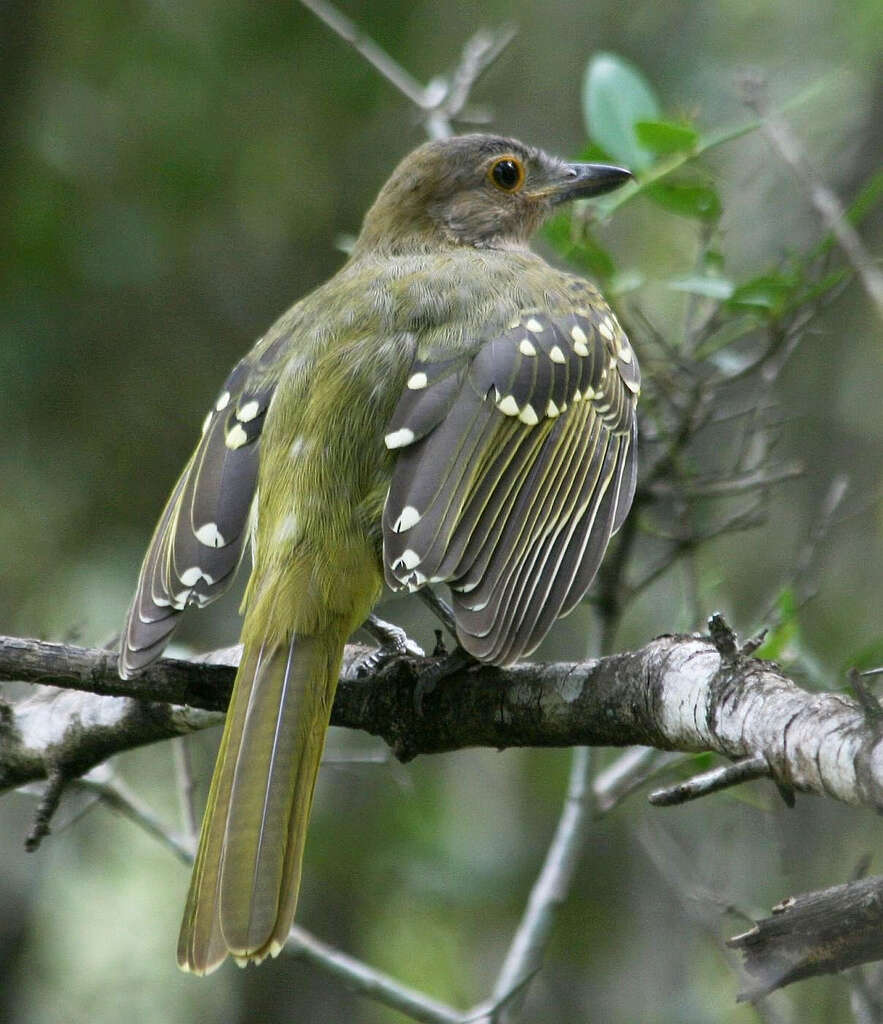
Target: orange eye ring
{"x": 507, "y": 174}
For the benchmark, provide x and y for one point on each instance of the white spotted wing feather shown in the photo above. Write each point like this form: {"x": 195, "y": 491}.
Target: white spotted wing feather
{"x": 200, "y": 538}
{"x": 512, "y": 472}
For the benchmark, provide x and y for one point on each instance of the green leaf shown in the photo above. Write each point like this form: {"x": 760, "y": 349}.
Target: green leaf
{"x": 730, "y": 331}
{"x": 768, "y": 293}
{"x": 585, "y": 252}
{"x": 868, "y": 657}
{"x": 664, "y": 137}
{"x": 688, "y": 200}
{"x": 615, "y": 96}
{"x": 714, "y": 261}
{"x": 711, "y": 287}
{"x": 698, "y": 763}
{"x": 786, "y": 633}
{"x": 594, "y": 154}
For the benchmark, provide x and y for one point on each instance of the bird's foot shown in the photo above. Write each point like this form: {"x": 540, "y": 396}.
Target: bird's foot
{"x": 430, "y": 677}
{"x": 393, "y": 642}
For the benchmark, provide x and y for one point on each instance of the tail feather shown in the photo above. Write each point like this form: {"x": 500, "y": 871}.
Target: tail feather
{"x": 243, "y": 893}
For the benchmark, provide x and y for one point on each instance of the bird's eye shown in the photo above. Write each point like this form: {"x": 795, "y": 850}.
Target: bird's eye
{"x": 507, "y": 174}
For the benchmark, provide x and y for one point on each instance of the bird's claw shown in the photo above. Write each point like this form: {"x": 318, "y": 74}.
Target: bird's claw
{"x": 431, "y": 676}
{"x": 393, "y": 642}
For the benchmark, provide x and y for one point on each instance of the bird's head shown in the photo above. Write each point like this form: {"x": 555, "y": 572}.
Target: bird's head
{"x": 480, "y": 190}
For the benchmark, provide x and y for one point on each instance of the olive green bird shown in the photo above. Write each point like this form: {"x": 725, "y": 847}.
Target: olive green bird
{"x": 448, "y": 408}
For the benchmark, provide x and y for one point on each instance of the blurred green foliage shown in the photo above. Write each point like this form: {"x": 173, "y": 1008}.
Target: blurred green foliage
{"x": 173, "y": 177}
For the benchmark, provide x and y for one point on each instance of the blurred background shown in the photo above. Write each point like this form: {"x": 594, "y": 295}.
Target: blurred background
{"x": 172, "y": 177}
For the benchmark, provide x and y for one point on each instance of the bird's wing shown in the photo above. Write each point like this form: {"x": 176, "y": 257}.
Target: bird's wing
{"x": 200, "y": 537}
{"x": 512, "y": 472}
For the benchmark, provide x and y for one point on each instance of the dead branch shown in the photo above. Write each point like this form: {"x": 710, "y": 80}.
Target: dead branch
{"x": 815, "y": 933}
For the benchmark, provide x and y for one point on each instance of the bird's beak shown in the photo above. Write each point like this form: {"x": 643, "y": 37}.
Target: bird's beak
{"x": 584, "y": 180}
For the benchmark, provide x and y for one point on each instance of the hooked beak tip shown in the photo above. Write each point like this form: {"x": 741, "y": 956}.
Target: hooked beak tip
{"x": 586, "y": 180}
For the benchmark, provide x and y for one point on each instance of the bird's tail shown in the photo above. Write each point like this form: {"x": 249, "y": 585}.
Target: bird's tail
{"x": 243, "y": 891}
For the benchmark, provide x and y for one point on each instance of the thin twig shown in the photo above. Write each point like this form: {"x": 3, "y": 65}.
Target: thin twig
{"x": 711, "y": 782}
{"x": 117, "y": 795}
{"x": 376, "y": 56}
{"x": 445, "y": 97}
{"x": 184, "y": 776}
{"x": 478, "y": 55}
{"x": 702, "y": 904}
{"x": 550, "y": 889}
{"x": 811, "y": 550}
{"x": 353, "y": 973}
{"x": 778, "y": 131}
{"x": 626, "y": 774}
{"x": 369, "y": 982}
{"x": 718, "y": 487}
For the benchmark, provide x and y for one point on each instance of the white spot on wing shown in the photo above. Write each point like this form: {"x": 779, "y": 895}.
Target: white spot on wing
{"x": 248, "y": 411}
{"x": 210, "y": 535}
{"x": 605, "y": 328}
{"x": 528, "y": 415}
{"x": 556, "y": 355}
{"x": 409, "y": 560}
{"x": 190, "y": 577}
{"x": 399, "y": 438}
{"x": 408, "y": 517}
{"x": 223, "y": 400}
{"x": 508, "y": 406}
{"x": 526, "y": 347}
{"x": 625, "y": 353}
{"x": 236, "y": 437}
{"x": 534, "y": 325}
{"x": 552, "y": 410}
{"x": 207, "y": 420}
{"x": 417, "y": 381}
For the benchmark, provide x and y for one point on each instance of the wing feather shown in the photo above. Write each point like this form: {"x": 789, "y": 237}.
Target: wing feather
{"x": 200, "y": 538}
{"x": 512, "y": 476}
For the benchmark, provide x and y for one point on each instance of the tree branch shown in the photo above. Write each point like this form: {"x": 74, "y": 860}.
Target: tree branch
{"x": 675, "y": 693}
{"x": 816, "y": 933}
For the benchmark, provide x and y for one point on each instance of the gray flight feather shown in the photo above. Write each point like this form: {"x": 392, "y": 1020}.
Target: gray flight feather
{"x": 512, "y": 475}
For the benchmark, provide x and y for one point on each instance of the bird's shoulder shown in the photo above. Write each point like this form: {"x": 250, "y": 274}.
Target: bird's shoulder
{"x": 434, "y": 305}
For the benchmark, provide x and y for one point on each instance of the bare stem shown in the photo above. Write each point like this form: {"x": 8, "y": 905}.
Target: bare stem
{"x": 367, "y": 981}
{"x": 376, "y": 56}
{"x": 550, "y": 889}
{"x": 778, "y": 131}
{"x": 184, "y": 777}
{"x": 117, "y": 795}
{"x": 711, "y": 782}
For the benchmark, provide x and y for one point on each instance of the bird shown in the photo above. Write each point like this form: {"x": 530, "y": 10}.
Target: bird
{"x": 448, "y": 408}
